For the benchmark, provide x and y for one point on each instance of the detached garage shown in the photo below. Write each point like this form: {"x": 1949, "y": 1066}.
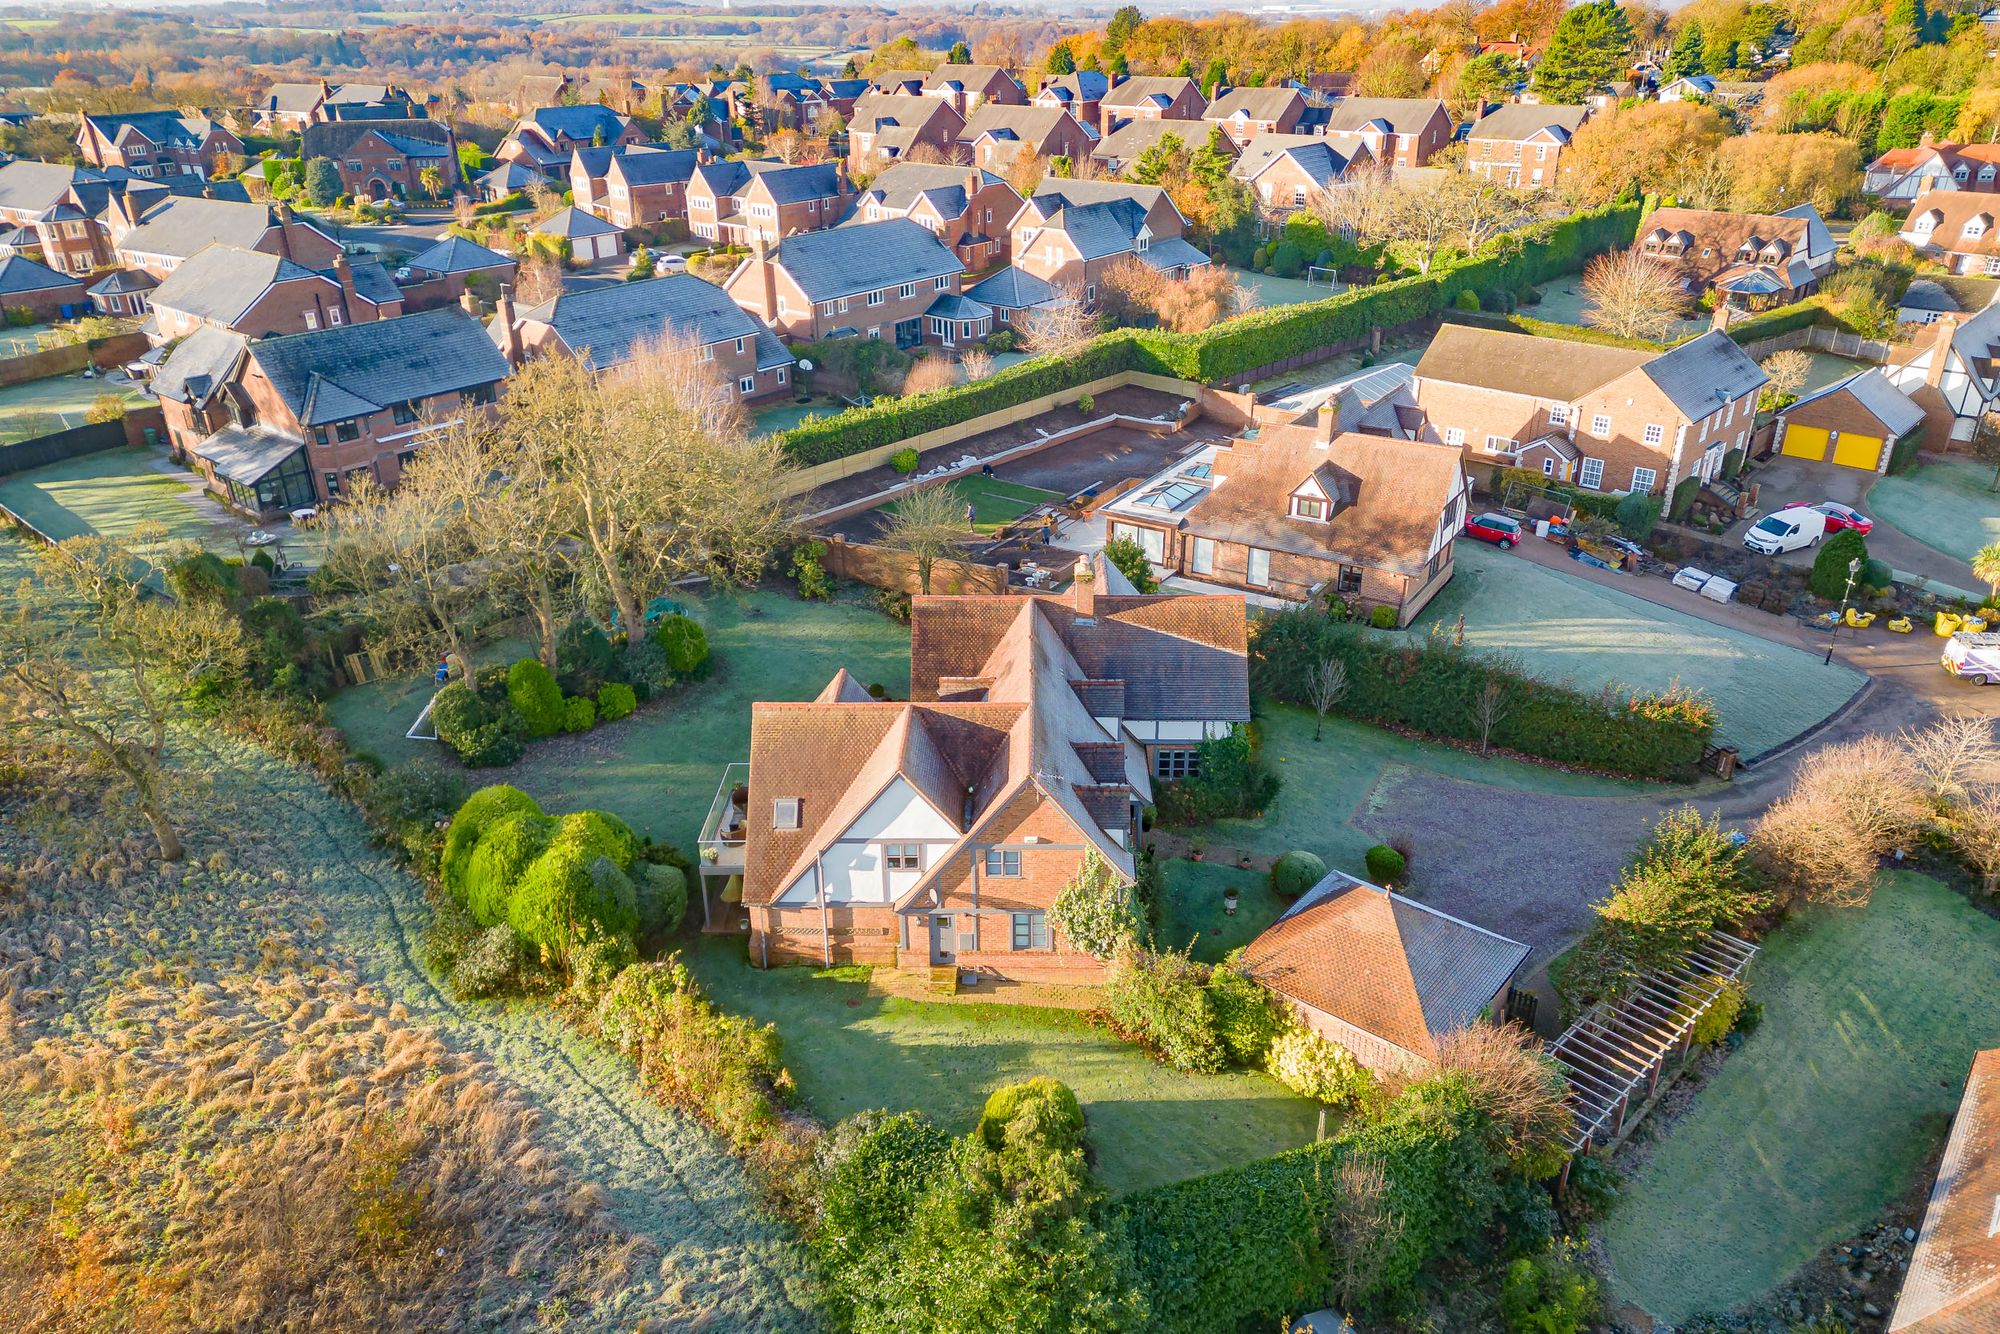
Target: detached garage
{"x": 1854, "y": 423}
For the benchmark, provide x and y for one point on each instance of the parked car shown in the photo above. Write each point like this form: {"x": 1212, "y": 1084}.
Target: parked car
{"x": 672, "y": 264}
{"x": 1974, "y": 656}
{"x": 1786, "y": 530}
{"x": 1839, "y": 516}
{"x": 1498, "y": 529}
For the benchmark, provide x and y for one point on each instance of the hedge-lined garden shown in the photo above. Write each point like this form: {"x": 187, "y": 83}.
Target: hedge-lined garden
{"x": 1234, "y": 347}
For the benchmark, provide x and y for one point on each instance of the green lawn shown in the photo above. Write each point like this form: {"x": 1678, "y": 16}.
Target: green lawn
{"x": 659, "y": 768}
{"x": 995, "y": 503}
{"x": 1950, "y": 506}
{"x": 1270, "y": 290}
{"x": 1563, "y": 627}
{"x": 1827, "y": 1112}
{"x": 112, "y": 492}
{"x": 57, "y": 403}
{"x": 1191, "y": 907}
{"x": 850, "y": 1051}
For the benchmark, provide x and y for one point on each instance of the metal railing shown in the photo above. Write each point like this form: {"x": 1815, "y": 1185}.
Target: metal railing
{"x": 719, "y": 854}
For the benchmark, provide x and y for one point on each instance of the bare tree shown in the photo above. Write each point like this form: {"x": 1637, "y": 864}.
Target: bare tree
{"x": 1975, "y": 832}
{"x": 1362, "y": 204}
{"x": 929, "y": 524}
{"x": 1632, "y": 296}
{"x": 1490, "y": 710}
{"x": 1786, "y": 370}
{"x": 1481, "y": 209}
{"x": 1848, "y": 806}
{"x": 1061, "y": 327}
{"x": 97, "y": 667}
{"x": 1363, "y": 1228}
{"x": 1951, "y": 754}
{"x": 538, "y": 278}
{"x": 975, "y": 364}
{"x": 927, "y": 374}
{"x": 1324, "y": 688}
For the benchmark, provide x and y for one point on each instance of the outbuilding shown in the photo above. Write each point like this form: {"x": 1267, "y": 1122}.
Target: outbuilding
{"x": 590, "y": 238}
{"x": 1854, "y": 423}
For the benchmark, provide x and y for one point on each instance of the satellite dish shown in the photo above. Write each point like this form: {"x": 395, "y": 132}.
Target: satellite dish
{"x": 805, "y": 365}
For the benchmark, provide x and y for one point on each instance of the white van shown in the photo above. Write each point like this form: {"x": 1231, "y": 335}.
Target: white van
{"x": 1786, "y": 530}
{"x": 1975, "y": 657}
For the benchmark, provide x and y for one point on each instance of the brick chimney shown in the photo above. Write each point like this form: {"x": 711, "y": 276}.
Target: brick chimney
{"x": 975, "y": 180}
{"x": 767, "y": 277}
{"x": 343, "y": 273}
{"x": 284, "y": 212}
{"x": 1924, "y": 140}
{"x": 469, "y": 303}
{"x": 510, "y": 335}
{"x": 1083, "y": 592}
{"x": 1947, "y": 328}
{"x": 1327, "y": 425}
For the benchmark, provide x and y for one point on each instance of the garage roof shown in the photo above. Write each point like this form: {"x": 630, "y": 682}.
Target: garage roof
{"x": 1880, "y": 399}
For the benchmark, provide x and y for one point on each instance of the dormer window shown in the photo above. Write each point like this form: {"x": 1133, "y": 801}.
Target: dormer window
{"x": 1986, "y": 174}
{"x": 785, "y": 813}
{"x": 1958, "y": 173}
{"x": 1975, "y": 227}
{"x": 1926, "y": 223}
{"x": 1308, "y": 508}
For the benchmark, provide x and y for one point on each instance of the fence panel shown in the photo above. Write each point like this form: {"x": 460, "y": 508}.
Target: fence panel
{"x": 77, "y": 441}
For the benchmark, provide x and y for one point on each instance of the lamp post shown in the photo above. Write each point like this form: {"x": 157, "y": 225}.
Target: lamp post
{"x": 1853, "y": 573}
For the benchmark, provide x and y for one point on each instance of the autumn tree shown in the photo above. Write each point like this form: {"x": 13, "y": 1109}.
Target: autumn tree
{"x": 1025, "y": 172}
{"x": 1632, "y": 296}
{"x": 1771, "y": 172}
{"x": 929, "y": 525}
{"x": 98, "y": 669}
{"x": 1592, "y": 47}
{"x": 1060, "y": 327}
{"x": 1640, "y": 149}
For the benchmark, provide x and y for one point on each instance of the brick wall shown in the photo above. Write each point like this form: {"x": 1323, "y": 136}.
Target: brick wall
{"x": 880, "y": 567}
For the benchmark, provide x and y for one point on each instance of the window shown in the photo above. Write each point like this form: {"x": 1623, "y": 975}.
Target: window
{"x": 903, "y": 856}
{"x": 1172, "y": 764}
{"x": 312, "y": 320}
{"x": 739, "y": 346}
{"x": 1304, "y": 507}
{"x": 1656, "y": 435}
{"x": 1003, "y": 862}
{"x": 1031, "y": 931}
{"x": 826, "y": 307}
{"x": 404, "y": 413}
{"x": 1643, "y": 479}
{"x": 944, "y": 283}
{"x": 1592, "y": 474}
{"x": 1201, "y": 556}
{"x": 1349, "y": 580}
{"x": 1559, "y": 416}
{"x": 332, "y": 484}
{"x": 748, "y": 384}
{"x": 1259, "y": 573}
{"x": 349, "y": 429}
{"x": 476, "y": 396}
{"x": 877, "y": 298}
{"x": 334, "y": 315}
{"x": 1500, "y": 444}
{"x": 1600, "y": 426}
{"x": 781, "y": 375}
{"x": 395, "y": 164}
{"x": 785, "y": 813}
{"x": 1454, "y": 435}
{"x": 1548, "y": 465}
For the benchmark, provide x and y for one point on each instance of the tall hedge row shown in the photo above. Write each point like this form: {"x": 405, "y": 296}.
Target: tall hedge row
{"x": 1438, "y": 689}
{"x": 1233, "y": 347}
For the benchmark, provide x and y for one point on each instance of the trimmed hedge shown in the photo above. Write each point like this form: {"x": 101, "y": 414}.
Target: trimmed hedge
{"x": 1435, "y": 688}
{"x": 1903, "y": 454}
{"x": 1569, "y": 333}
{"x": 1783, "y": 320}
{"x": 1233, "y": 347}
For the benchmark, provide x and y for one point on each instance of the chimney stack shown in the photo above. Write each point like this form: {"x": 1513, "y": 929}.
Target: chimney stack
{"x": 1083, "y": 592}
{"x": 510, "y": 334}
{"x": 343, "y": 273}
{"x": 469, "y": 303}
{"x": 767, "y": 278}
{"x": 1327, "y": 425}
{"x": 974, "y": 181}
{"x": 284, "y": 212}
{"x": 1947, "y": 329}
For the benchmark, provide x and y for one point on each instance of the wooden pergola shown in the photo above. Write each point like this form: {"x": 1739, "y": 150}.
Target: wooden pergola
{"x": 1613, "y": 1056}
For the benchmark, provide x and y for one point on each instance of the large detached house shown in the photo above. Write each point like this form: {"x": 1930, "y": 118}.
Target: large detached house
{"x": 1069, "y": 233}
{"x": 1165, "y": 97}
{"x": 1245, "y": 113}
{"x": 639, "y": 186}
{"x": 969, "y": 87}
{"x": 888, "y": 127}
{"x": 1522, "y": 143}
{"x": 892, "y": 279}
{"x": 155, "y": 143}
{"x": 1901, "y": 175}
{"x": 293, "y": 106}
{"x": 1285, "y": 171}
{"x": 1123, "y": 147}
{"x": 997, "y": 135}
{"x": 966, "y": 208}
{"x": 1953, "y": 1285}
{"x": 276, "y": 424}
{"x": 163, "y": 236}
{"x": 938, "y": 832}
{"x": 260, "y": 294}
{"x": 740, "y": 202}
{"x": 1398, "y": 131}
{"x": 1952, "y": 371}
{"x": 545, "y": 137}
{"x": 386, "y": 159}
{"x": 1752, "y": 261}
{"x": 1605, "y": 418}
{"x": 1956, "y": 229}
{"x": 41, "y": 202}
{"x": 1080, "y": 93}
{"x": 1304, "y": 510}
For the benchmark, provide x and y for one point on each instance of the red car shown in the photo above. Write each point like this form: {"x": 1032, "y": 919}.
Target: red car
{"x": 1838, "y": 516}
{"x": 1498, "y": 529}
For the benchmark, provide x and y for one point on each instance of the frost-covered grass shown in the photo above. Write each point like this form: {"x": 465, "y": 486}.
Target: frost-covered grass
{"x": 1949, "y": 505}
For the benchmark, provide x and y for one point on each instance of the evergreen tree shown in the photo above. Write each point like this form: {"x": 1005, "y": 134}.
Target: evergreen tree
{"x": 1117, "y": 67}
{"x": 961, "y": 54}
{"x": 1090, "y": 62}
{"x": 1592, "y": 46}
{"x": 1120, "y": 29}
{"x": 1184, "y": 70}
{"x": 1060, "y": 59}
{"x": 322, "y": 183}
{"x": 1689, "y": 54}
{"x": 1213, "y": 77}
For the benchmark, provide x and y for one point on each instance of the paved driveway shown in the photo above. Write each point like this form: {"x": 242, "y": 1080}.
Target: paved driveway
{"x": 1784, "y": 479}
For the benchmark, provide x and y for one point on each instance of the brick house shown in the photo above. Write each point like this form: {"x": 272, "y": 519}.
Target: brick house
{"x": 383, "y": 159}
{"x": 738, "y": 202}
{"x": 123, "y": 292}
{"x": 892, "y": 279}
{"x": 165, "y": 235}
{"x": 1952, "y": 371}
{"x": 607, "y": 325}
{"x": 40, "y": 290}
{"x": 1383, "y": 976}
{"x": 1751, "y": 260}
{"x": 1521, "y": 143}
{"x": 886, "y": 127}
{"x": 40, "y": 199}
{"x": 155, "y": 143}
{"x": 1142, "y": 97}
{"x": 1855, "y": 422}
{"x": 1070, "y": 232}
{"x": 442, "y": 274}
{"x": 1950, "y": 1285}
{"x": 1305, "y": 510}
{"x": 996, "y": 136}
{"x": 545, "y": 137}
{"x": 1606, "y": 418}
{"x": 966, "y": 208}
{"x": 279, "y": 423}
{"x": 966, "y": 88}
{"x": 258, "y": 295}
{"x": 938, "y": 832}
{"x": 1081, "y": 93}
{"x": 1245, "y": 113}
{"x": 1901, "y": 175}
{"x": 1399, "y": 131}
{"x": 640, "y": 187}
{"x": 1285, "y": 171}
{"x": 293, "y": 106}
{"x": 1118, "y": 150}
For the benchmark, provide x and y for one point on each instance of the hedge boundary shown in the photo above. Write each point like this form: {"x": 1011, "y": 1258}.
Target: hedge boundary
{"x": 1235, "y": 347}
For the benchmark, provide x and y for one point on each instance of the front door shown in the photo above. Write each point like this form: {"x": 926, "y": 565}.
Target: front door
{"x": 942, "y": 938}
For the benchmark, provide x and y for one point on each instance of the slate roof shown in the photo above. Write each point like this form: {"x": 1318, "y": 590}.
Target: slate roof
{"x": 1703, "y": 373}
{"x": 198, "y": 366}
{"x": 1098, "y": 230}
{"x": 511, "y": 176}
{"x": 372, "y": 282}
{"x": 1953, "y": 1285}
{"x": 455, "y": 254}
{"x": 18, "y": 273}
{"x": 974, "y": 77}
{"x": 1142, "y": 89}
{"x": 38, "y": 186}
{"x": 1321, "y": 161}
{"x": 1072, "y": 194}
{"x": 1878, "y": 396}
{"x": 1084, "y": 85}
{"x": 841, "y": 261}
{"x": 574, "y": 222}
{"x": 342, "y": 372}
{"x": 1517, "y": 121}
{"x": 333, "y": 138}
{"x": 639, "y": 166}
{"x": 1403, "y": 115}
{"x": 1029, "y": 125}
{"x": 1926, "y": 294}
{"x": 221, "y": 282}
{"x": 1388, "y": 965}
{"x": 1173, "y": 252}
{"x": 900, "y": 187}
{"x": 613, "y": 320}
{"x": 788, "y": 184}
{"x": 1012, "y": 288}
{"x": 1524, "y": 364}
{"x": 1255, "y": 103}
{"x": 165, "y": 128}
{"x": 1124, "y": 144}
{"x": 955, "y": 306}
{"x": 179, "y": 227}
{"x": 121, "y": 281}
{"x": 581, "y": 121}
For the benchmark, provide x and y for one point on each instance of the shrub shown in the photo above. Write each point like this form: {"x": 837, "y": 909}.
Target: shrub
{"x": 1385, "y": 865}
{"x": 809, "y": 568}
{"x": 577, "y": 882}
{"x": 585, "y": 659}
{"x": 203, "y": 577}
{"x": 480, "y": 810}
{"x": 1246, "y": 1018}
{"x": 1061, "y": 1120}
{"x": 615, "y": 700}
{"x": 643, "y": 664}
{"x": 1129, "y": 559}
{"x": 487, "y": 966}
{"x": 1096, "y": 911}
{"x": 1312, "y": 1067}
{"x": 1467, "y": 300}
{"x": 685, "y": 643}
{"x": 1086, "y": 404}
{"x": 532, "y": 690}
{"x": 1287, "y": 260}
{"x": 1719, "y": 1018}
{"x": 1382, "y": 616}
{"x": 409, "y": 800}
{"x": 579, "y": 714}
{"x": 1829, "y": 568}
{"x": 595, "y": 959}
{"x": 1549, "y": 1294}
{"x": 1636, "y": 514}
{"x": 1160, "y": 1000}
{"x": 1229, "y": 780}
{"x": 904, "y": 461}
{"x": 1685, "y": 492}
{"x": 481, "y": 735}
{"x": 506, "y": 850}
{"x": 660, "y": 897}
{"x": 1295, "y": 873}
{"x": 869, "y": 1173}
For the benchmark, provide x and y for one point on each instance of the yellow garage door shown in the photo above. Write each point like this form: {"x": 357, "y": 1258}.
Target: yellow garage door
{"x": 1858, "y": 451}
{"x": 1805, "y": 442}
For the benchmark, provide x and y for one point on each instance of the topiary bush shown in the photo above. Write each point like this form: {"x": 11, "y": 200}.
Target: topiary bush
{"x": 1385, "y": 865}
{"x": 904, "y": 461}
{"x": 481, "y": 734}
{"x": 479, "y": 811}
{"x": 579, "y": 714}
{"x": 660, "y": 897}
{"x": 1829, "y": 568}
{"x": 578, "y": 881}
{"x": 532, "y": 690}
{"x": 1295, "y": 873}
{"x": 506, "y": 849}
{"x": 1061, "y": 1122}
{"x": 1466, "y": 300}
{"x": 1246, "y": 1019}
{"x": 685, "y": 643}
{"x": 1382, "y": 616}
{"x": 615, "y": 700}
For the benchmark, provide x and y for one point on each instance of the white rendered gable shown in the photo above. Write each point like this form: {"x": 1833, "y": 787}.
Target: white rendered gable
{"x": 855, "y": 863}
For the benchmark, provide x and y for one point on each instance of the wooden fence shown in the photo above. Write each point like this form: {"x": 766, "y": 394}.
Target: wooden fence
{"x": 1814, "y": 338}
{"x": 80, "y": 440}
{"x": 105, "y": 354}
